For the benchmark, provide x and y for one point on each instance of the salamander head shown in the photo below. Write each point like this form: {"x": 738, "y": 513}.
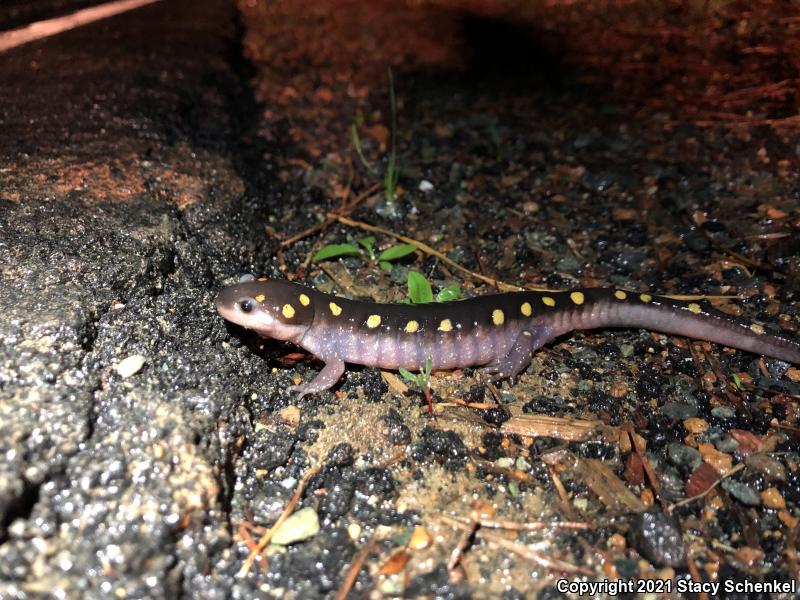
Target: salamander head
{"x": 276, "y": 309}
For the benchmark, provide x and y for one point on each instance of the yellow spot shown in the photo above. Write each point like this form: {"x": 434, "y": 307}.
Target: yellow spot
{"x": 373, "y": 321}
{"x": 305, "y": 300}
{"x": 412, "y": 326}
{"x": 577, "y": 297}
{"x": 528, "y": 333}
{"x": 287, "y": 311}
{"x": 498, "y": 318}
{"x": 446, "y": 325}
{"x": 620, "y": 295}
{"x": 645, "y": 297}
{"x": 262, "y": 278}
{"x": 526, "y": 309}
{"x": 335, "y": 309}
{"x": 260, "y": 298}
{"x": 756, "y": 328}
{"x": 695, "y": 308}
{"x": 548, "y": 301}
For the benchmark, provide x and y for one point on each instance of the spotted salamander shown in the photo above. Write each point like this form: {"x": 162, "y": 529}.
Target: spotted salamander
{"x": 499, "y": 332}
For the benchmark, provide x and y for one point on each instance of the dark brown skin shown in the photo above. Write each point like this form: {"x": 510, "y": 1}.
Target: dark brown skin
{"x": 499, "y": 332}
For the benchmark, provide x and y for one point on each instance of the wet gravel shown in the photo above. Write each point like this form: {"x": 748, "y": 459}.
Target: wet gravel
{"x": 148, "y": 445}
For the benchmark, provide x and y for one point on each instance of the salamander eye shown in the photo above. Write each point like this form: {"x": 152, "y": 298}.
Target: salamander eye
{"x": 246, "y": 305}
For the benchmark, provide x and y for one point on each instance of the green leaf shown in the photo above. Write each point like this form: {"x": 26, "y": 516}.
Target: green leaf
{"x": 426, "y": 370}
{"x": 336, "y": 250}
{"x": 386, "y": 266}
{"x": 407, "y": 375}
{"x": 513, "y": 488}
{"x": 369, "y": 245}
{"x": 449, "y": 293}
{"x": 419, "y": 289}
{"x": 396, "y": 252}
{"x": 737, "y": 381}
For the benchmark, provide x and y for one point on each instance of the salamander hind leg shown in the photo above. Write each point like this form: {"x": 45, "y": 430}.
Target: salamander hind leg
{"x": 513, "y": 363}
{"x": 519, "y": 357}
{"x": 330, "y": 374}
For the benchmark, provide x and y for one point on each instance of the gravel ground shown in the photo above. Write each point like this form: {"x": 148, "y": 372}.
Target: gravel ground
{"x": 150, "y": 159}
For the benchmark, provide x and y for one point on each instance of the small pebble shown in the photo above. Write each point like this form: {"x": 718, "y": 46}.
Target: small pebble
{"x": 290, "y": 416}
{"x": 425, "y": 186}
{"x": 742, "y": 492}
{"x": 504, "y": 463}
{"x": 657, "y": 537}
{"x": 767, "y": 466}
{"x": 679, "y": 411}
{"x": 682, "y": 456}
{"x": 723, "y": 412}
{"x": 129, "y": 366}
{"x": 772, "y": 498}
{"x": 530, "y": 207}
{"x": 420, "y": 538}
{"x": 522, "y": 464}
{"x": 354, "y": 531}
{"x": 618, "y": 389}
{"x": 721, "y": 462}
{"x": 301, "y": 525}
{"x": 695, "y": 425}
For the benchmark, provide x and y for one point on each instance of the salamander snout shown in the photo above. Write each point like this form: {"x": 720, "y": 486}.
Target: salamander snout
{"x": 256, "y": 306}
{"x": 238, "y": 307}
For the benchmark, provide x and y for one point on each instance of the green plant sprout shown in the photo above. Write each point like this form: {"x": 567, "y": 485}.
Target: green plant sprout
{"x": 420, "y": 291}
{"x": 392, "y": 175}
{"x": 356, "y": 141}
{"x": 422, "y": 380}
{"x": 384, "y": 259}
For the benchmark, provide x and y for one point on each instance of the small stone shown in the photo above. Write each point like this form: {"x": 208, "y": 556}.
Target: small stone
{"x": 420, "y": 538}
{"x": 617, "y": 541}
{"x": 504, "y": 462}
{"x": 695, "y": 425}
{"x": 772, "y": 498}
{"x": 723, "y": 412}
{"x": 290, "y": 416}
{"x": 788, "y": 519}
{"x": 722, "y": 462}
{"x": 129, "y": 366}
{"x": 618, "y": 389}
{"x": 742, "y": 492}
{"x": 679, "y": 411}
{"x": 354, "y": 531}
{"x": 657, "y": 537}
{"x": 301, "y": 525}
{"x": 425, "y": 186}
{"x": 682, "y": 456}
{"x": 767, "y": 466}
{"x": 530, "y": 207}
{"x": 522, "y": 464}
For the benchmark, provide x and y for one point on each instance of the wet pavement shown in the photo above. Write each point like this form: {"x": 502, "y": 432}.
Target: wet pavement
{"x": 149, "y": 159}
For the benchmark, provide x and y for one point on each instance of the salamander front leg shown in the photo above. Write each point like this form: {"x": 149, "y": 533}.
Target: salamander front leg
{"x": 330, "y": 374}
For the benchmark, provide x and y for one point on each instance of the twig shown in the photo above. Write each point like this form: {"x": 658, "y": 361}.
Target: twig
{"x": 463, "y": 542}
{"x": 427, "y": 250}
{"x": 519, "y": 549}
{"x": 355, "y": 568}
{"x": 265, "y": 539}
{"x": 553, "y": 564}
{"x": 529, "y": 526}
{"x": 346, "y": 207}
{"x": 738, "y": 467}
